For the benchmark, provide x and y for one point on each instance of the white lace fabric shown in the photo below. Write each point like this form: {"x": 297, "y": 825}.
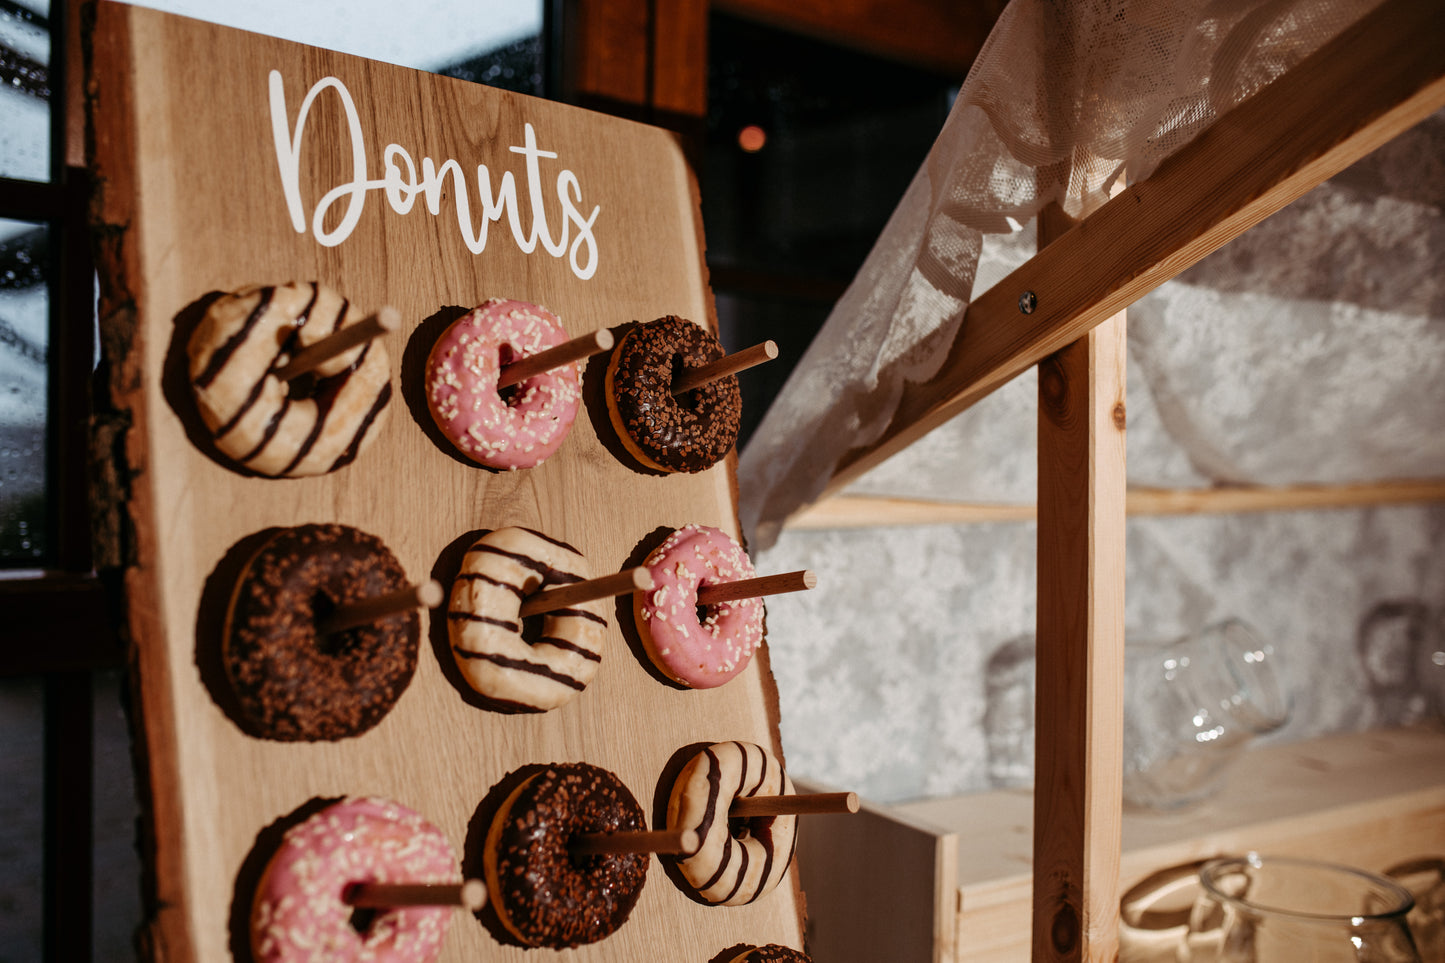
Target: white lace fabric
{"x": 1063, "y": 97}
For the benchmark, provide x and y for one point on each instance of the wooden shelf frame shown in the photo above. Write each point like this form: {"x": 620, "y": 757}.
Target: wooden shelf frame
{"x": 1300, "y": 130}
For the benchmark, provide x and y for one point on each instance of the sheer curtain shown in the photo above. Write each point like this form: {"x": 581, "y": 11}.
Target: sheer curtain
{"x": 1062, "y": 98}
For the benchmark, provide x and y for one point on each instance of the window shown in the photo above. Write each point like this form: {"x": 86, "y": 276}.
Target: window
{"x": 65, "y": 775}
{"x": 808, "y": 148}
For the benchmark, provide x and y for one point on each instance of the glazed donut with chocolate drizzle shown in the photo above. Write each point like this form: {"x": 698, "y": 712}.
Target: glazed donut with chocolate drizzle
{"x": 689, "y": 432}
{"x": 313, "y": 424}
{"x": 772, "y": 953}
{"x": 739, "y": 859}
{"x": 486, "y": 627}
{"x": 545, "y": 894}
{"x": 293, "y": 683}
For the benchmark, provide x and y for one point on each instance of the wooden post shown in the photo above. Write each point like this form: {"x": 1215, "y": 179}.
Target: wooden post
{"x": 1080, "y": 641}
{"x": 641, "y": 60}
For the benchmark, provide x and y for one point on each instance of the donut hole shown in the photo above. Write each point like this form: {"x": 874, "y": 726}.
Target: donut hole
{"x": 590, "y": 863}
{"x": 362, "y": 918}
{"x": 755, "y": 826}
{"x": 332, "y": 644}
{"x": 687, "y": 400}
{"x": 708, "y": 615}
{"x": 532, "y": 631}
{"x": 308, "y": 385}
{"x": 533, "y": 626}
{"x": 511, "y": 393}
{"x": 302, "y": 386}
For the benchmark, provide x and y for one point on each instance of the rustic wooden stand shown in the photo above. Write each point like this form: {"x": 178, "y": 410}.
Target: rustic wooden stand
{"x": 191, "y": 201}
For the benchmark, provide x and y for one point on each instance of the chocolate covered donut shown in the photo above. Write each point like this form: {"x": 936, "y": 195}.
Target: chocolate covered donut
{"x": 311, "y": 425}
{"x": 544, "y": 895}
{"x": 666, "y": 432}
{"x": 292, "y": 682}
{"x": 739, "y": 859}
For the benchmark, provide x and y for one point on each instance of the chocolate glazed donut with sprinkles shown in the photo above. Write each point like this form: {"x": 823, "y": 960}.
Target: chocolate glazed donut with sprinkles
{"x": 739, "y": 859}
{"x": 494, "y": 646}
{"x": 686, "y": 432}
{"x": 545, "y": 893}
{"x": 292, "y": 681}
{"x": 310, "y": 425}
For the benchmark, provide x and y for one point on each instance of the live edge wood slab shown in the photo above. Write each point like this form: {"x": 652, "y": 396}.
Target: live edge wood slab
{"x": 208, "y": 181}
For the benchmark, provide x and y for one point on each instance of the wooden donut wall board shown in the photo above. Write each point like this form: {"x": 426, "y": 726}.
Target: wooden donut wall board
{"x": 208, "y": 182}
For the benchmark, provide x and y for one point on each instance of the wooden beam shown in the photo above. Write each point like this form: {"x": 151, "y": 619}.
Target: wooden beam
{"x": 932, "y": 34}
{"x": 1079, "y": 708}
{"x": 645, "y": 61}
{"x": 609, "y": 47}
{"x": 1307, "y": 126}
{"x": 679, "y": 57}
{"x": 866, "y": 511}
{"x": 1163, "y": 501}
{"x": 40, "y": 609}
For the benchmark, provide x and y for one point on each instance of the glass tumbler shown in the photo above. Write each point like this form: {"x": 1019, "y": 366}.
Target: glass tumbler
{"x": 1277, "y": 910}
{"x": 1191, "y": 706}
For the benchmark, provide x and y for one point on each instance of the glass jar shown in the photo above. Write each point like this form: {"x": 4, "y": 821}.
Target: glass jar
{"x": 1278, "y": 910}
{"x": 1191, "y": 706}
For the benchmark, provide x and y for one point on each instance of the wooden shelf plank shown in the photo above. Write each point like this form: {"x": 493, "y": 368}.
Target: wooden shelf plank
{"x": 1305, "y": 127}
{"x": 862, "y": 511}
{"x": 1160, "y": 501}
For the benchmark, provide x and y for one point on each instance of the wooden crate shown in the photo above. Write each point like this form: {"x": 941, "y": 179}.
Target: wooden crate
{"x": 1369, "y": 799}
{"x": 194, "y": 153}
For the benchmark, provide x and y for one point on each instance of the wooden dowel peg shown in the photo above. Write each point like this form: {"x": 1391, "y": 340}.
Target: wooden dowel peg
{"x": 673, "y": 841}
{"x": 575, "y": 593}
{"x": 751, "y": 588}
{"x": 574, "y": 350}
{"x": 309, "y": 359}
{"x": 724, "y": 366}
{"x": 470, "y": 894}
{"x": 424, "y": 596}
{"x": 805, "y": 804}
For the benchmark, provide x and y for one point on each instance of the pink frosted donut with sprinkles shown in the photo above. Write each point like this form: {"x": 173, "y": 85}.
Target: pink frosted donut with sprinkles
{"x": 515, "y": 427}
{"x": 299, "y": 912}
{"x": 700, "y": 646}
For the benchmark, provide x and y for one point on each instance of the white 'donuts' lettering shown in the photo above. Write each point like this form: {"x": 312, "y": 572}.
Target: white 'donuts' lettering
{"x": 401, "y": 185}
